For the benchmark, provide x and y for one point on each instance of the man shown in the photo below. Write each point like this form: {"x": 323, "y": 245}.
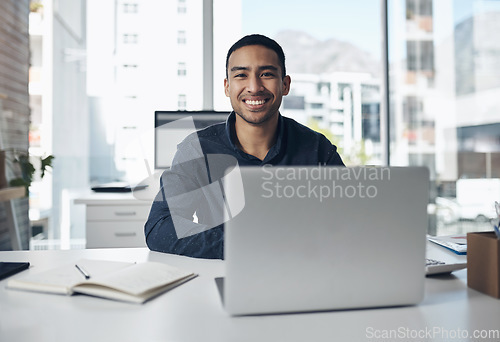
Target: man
{"x": 255, "y": 134}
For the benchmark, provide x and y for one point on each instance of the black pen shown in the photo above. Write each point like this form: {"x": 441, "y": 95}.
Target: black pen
{"x": 82, "y": 271}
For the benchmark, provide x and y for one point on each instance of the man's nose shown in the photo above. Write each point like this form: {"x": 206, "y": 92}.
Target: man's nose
{"x": 254, "y": 84}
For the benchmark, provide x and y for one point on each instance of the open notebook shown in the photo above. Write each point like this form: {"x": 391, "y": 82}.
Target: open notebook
{"x": 122, "y": 281}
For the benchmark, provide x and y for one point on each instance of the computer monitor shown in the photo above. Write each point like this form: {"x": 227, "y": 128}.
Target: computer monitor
{"x": 170, "y": 130}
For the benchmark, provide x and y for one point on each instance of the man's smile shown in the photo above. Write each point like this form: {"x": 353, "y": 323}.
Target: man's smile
{"x": 255, "y": 102}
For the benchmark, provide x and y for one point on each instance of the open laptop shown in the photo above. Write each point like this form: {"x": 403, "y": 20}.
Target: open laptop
{"x": 325, "y": 238}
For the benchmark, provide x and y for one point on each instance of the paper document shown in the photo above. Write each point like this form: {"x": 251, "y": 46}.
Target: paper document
{"x": 455, "y": 243}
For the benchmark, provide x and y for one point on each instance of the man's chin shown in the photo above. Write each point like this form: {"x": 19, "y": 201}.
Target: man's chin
{"x": 256, "y": 120}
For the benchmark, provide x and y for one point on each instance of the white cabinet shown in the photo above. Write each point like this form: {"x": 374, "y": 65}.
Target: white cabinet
{"x": 114, "y": 220}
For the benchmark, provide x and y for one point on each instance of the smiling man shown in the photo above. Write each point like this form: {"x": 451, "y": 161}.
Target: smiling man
{"x": 255, "y": 84}
{"x": 254, "y": 134}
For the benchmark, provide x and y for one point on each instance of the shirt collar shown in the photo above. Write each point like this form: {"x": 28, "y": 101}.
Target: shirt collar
{"x": 275, "y": 149}
{"x": 231, "y": 119}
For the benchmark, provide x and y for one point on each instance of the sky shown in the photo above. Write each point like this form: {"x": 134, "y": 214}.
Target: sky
{"x": 354, "y": 21}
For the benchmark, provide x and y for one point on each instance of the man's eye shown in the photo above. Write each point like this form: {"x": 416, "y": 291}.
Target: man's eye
{"x": 239, "y": 75}
{"x": 268, "y": 74}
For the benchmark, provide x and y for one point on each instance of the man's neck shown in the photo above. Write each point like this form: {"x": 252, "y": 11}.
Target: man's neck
{"x": 256, "y": 140}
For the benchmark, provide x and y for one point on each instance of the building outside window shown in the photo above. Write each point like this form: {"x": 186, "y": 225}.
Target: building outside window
{"x": 130, "y": 38}
{"x": 444, "y": 67}
{"x": 330, "y": 65}
{"x": 444, "y": 86}
{"x": 181, "y": 37}
{"x": 181, "y": 69}
{"x": 130, "y": 8}
{"x": 182, "y": 102}
{"x": 181, "y": 6}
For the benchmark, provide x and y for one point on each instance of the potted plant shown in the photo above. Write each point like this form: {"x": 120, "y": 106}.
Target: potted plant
{"x": 21, "y": 160}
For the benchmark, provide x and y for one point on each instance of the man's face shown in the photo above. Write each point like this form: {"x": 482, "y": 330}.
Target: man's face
{"x": 255, "y": 84}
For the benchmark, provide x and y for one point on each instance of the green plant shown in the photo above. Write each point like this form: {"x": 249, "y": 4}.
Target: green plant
{"x": 22, "y": 160}
{"x": 35, "y": 6}
{"x": 357, "y": 155}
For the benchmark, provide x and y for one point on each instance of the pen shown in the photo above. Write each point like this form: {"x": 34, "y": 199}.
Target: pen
{"x": 496, "y": 226}
{"x": 82, "y": 271}
{"x": 497, "y": 231}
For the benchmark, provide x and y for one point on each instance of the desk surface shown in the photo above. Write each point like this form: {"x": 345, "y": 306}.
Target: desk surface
{"x": 193, "y": 311}
{"x": 142, "y": 197}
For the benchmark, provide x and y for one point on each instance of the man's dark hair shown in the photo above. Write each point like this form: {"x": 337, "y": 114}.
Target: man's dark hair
{"x": 258, "y": 39}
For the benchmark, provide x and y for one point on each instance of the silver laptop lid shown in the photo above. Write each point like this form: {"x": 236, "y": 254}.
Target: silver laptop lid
{"x": 322, "y": 238}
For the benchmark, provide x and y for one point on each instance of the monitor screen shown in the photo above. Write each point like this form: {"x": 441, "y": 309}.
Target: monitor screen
{"x": 171, "y": 127}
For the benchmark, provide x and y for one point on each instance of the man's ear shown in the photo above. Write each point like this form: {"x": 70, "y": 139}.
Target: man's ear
{"x": 226, "y": 87}
{"x": 286, "y": 84}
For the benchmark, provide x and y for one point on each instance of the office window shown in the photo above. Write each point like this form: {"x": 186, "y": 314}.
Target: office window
{"x": 420, "y": 55}
{"x": 128, "y": 79}
{"x": 418, "y": 8}
{"x": 181, "y": 6}
{"x": 181, "y": 102}
{"x": 412, "y": 110}
{"x": 444, "y": 61}
{"x": 371, "y": 121}
{"x": 181, "y": 37}
{"x": 333, "y": 50}
{"x": 181, "y": 69}
{"x": 130, "y": 38}
{"x": 130, "y": 8}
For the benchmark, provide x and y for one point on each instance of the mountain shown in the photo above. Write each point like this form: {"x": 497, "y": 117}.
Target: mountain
{"x": 306, "y": 54}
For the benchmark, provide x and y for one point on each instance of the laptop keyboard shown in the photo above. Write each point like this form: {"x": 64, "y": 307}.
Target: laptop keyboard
{"x": 433, "y": 266}
{"x": 430, "y": 262}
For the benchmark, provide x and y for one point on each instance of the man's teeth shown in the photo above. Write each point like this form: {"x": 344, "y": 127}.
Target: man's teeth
{"x": 255, "y": 103}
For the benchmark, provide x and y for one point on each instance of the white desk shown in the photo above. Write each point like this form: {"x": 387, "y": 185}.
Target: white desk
{"x": 193, "y": 311}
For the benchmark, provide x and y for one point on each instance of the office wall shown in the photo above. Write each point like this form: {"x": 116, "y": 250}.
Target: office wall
{"x": 14, "y": 101}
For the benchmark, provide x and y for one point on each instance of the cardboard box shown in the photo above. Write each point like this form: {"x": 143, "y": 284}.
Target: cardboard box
{"x": 483, "y": 263}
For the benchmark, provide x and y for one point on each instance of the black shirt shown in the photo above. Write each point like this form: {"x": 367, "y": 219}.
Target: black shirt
{"x": 191, "y": 185}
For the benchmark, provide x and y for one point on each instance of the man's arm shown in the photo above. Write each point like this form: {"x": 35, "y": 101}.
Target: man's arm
{"x": 335, "y": 159}
{"x": 187, "y": 190}
{"x": 162, "y": 237}
{"x": 172, "y": 230}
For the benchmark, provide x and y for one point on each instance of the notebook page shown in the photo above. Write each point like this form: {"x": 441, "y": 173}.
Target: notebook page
{"x": 140, "y": 278}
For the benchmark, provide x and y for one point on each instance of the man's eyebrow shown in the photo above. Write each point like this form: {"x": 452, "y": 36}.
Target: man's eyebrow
{"x": 262, "y": 67}
{"x": 238, "y": 68}
{"x": 268, "y": 67}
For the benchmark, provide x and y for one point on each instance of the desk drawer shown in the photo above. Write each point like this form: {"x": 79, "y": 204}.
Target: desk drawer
{"x": 118, "y": 212}
{"x": 102, "y": 234}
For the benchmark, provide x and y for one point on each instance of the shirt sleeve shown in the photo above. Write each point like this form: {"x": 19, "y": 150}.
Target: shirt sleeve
{"x": 185, "y": 190}
{"x": 335, "y": 159}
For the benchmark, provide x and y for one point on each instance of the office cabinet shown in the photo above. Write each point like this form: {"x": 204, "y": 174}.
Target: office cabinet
{"x": 114, "y": 220}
